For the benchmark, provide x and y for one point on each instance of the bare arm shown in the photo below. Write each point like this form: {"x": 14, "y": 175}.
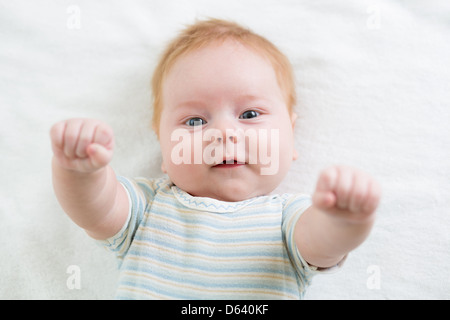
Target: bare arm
{"x": 341, "y": 217}
{"x": 85, "y": 185}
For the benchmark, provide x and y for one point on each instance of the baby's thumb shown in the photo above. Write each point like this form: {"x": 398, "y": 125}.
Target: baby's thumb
{"x": 324, "y": 200}
{"x": 99, "y": 155}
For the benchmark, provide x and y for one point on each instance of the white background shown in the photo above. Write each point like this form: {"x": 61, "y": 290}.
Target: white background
{"x": 373, "y": 84}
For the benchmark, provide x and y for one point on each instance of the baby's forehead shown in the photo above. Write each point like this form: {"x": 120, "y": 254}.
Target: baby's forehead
{"x": 215, "y": 69}
{"x": 222, "y": 63}
{"x": 228, "y": 49}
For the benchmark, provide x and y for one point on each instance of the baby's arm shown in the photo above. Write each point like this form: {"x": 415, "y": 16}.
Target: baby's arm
{"x": 340, "y": 218}
{"x": 84, "y": 183}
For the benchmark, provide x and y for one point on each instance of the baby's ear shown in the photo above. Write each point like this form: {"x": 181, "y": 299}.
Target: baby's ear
{"x": 294, "y": 117}
{"x": 155, "y": 130}
{"x": 295, "y": 155}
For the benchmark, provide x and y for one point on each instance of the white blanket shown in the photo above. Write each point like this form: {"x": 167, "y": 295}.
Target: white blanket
{"x": 373, "y": 84}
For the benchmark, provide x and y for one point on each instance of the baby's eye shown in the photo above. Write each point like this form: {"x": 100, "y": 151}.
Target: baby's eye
{"x": 249, "y": 114}
{"x": 192, "y": 122}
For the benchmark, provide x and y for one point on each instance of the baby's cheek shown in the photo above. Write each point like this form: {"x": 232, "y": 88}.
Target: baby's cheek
{"x": 286, "y": 149}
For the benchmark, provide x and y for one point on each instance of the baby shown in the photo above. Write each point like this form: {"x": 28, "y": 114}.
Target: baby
{"x": 224, "y": 115}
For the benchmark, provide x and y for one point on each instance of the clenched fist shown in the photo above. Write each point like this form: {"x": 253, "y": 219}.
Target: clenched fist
{"x": 83, "y": 145}
{"x": 347, "y": 193}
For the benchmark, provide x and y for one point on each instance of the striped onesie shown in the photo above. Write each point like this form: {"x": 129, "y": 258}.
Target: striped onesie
{"x": 176, "y": 246}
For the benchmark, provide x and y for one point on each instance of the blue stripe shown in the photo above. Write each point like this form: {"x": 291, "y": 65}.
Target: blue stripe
{"x": 213, "y": 282}
{"x": 216, "y": 268}
{"x": 210, "y": 253}
{"x": 216, "y": 223}
{"x": 211, "y": 238}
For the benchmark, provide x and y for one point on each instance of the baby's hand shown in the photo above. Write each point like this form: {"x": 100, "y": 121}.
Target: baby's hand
{"x": 82, "y": 145}
{"x": 347, "y": 193}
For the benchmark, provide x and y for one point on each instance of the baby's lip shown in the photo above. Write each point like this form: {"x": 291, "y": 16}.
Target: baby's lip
{"x": 230, "y": 162}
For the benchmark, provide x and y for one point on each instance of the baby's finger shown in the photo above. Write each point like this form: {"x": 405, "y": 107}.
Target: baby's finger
{"x": 86, "y": 138}
{"x": 99, "y": 155}
{"x": 359, "y": 192}
{"x": 343, "y": 187}
{"x": 373, "y": 197}
{"x": 57, "y": 135}
{"x": 104, "y": 136}
{"x": 324, "y": 200}
{"x": 327, "y": 180}
{"x": 71, "y": 135}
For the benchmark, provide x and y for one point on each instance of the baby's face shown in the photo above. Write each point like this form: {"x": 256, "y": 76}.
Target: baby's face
{"x": 225, "y": 129}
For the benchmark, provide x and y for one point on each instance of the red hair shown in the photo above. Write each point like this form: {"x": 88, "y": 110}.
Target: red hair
{"x": 206, "y": 32}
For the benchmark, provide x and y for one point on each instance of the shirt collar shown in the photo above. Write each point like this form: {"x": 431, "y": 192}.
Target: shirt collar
{"x": 208, "y": 204}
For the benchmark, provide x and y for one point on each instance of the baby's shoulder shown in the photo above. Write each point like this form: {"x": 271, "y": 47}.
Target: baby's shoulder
{"x": 147, "y": 187}
{"x": 292, "y": 200}
{"x": 154, "y": 183}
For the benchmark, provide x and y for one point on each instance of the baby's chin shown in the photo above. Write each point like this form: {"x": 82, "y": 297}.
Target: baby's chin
{"x": 230, "y": 191}
{"x": 227, "y": 195}
{"x": 233, "y": 196}
{"x": 234, "y": 185}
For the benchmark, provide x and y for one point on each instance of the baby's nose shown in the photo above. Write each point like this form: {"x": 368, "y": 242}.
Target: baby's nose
{"x": 230, "y": 137}
{"x": 228, "y": 130}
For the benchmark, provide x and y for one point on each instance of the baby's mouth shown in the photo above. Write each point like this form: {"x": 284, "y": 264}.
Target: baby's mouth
{"x": 231, "y": 163}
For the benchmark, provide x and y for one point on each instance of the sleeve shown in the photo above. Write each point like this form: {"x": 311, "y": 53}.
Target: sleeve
{"x": 294, "y": 206}
{"x": 140, "y": 194}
